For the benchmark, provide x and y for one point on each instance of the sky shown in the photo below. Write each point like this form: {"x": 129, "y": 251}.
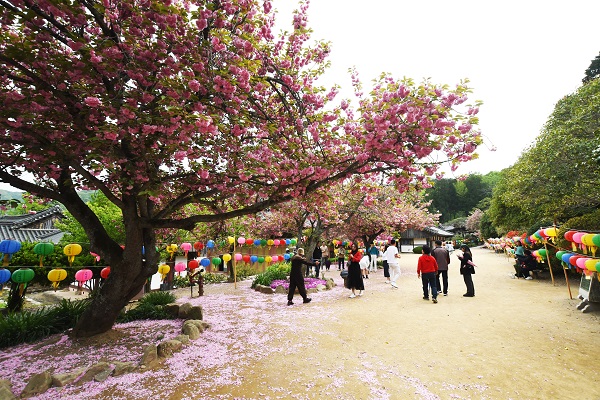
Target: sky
{"x": 520, "y": 57}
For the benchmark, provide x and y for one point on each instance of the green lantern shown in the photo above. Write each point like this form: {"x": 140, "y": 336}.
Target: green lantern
{"x": 216, "y": 261}
{"x": 43, "y": 249}
{"x": 23, "y": 275}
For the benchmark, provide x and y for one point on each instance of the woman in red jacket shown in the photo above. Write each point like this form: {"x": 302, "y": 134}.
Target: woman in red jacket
{"x": 355, "y": 279}
{"x": 426, "y": 270}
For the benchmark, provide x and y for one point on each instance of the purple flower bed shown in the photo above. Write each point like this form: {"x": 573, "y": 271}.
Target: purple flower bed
{"x": 309, "y": 283}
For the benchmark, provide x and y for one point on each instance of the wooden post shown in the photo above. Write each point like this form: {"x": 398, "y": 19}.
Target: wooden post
{"x": 550, "y": 266}
{"x": 234, "y": 267}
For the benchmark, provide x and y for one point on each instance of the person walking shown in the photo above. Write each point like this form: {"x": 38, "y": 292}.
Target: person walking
{"x": 341, "y": 255}
{"x": 296, "y": 278}
{"x": 442, "y": 256}
{"x": 317, "y": 255}
{"x": 392, "y": 257}
{"x": 386, "y": 267}
{"x": 373, "y": 254}
{"x": 467, "y": 269}
{"x": 355, "y": 281}
{"x": 325, "y": 256}
{"x": 426, "y": 270}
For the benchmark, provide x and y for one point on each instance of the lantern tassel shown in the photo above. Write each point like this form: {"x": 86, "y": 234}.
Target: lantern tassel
{"x": 5, "y": 260}
{"x": 21, "y": 289}
{"x": 41, "y": 261}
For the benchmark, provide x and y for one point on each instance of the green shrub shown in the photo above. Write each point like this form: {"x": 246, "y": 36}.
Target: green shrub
{"x": 243, "y": 271}
{"x": 181, "y": 281}
{"x": 31, "y": 325}
{"x": 418, "y": 250}
{"x": 273, "y": 272}
{"x": 145, "y": 311}
{"x": 214, "y": 278}
{"x": 157, "y": 298}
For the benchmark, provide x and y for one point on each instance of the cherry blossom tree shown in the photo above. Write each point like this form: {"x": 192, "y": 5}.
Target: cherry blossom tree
{"x": 164, "y": 104}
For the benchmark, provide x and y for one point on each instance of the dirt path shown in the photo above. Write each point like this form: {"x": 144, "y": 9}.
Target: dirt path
{"x": 515, "y": 340}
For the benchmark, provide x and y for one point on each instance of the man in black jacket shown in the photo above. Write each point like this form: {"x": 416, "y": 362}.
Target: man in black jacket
{"x": 296, "y": 278}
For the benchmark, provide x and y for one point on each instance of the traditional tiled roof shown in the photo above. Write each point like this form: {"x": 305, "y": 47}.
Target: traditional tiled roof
{"x": 438, "y": 231}
{"x": 27, "y": 228}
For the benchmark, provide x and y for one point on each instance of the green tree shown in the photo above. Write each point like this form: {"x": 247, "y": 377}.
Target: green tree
{"x": 593, "y": 70}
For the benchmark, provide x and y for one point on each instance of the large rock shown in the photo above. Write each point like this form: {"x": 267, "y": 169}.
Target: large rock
{"x": 61, "y": 380}
{"x": 172, "y": 309}
{"x": 99, "y": 370}
{"x": 122, "y": 368}
{"x": 6, "y": 390}
{"x": 280, "y": 289}
{"x": 191, "y": 330}
{"x": 195, "y": 313}
{"x": 150, "y": 357}
{"x": 320, "y": 288}
{"x": 184, "y": 310}
{"x": 184, "y": 339}
{"x": 167, "y": 348}
{"x": 38, "y": 383}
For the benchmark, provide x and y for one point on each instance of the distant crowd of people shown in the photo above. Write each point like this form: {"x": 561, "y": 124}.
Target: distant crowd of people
{"x": 355, "y": 264}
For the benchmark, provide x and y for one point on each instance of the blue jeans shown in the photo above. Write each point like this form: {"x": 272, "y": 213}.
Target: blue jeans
{"x": 428, "y": 279}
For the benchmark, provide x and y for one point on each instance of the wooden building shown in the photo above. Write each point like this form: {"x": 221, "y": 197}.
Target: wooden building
{"x": 412, "y": 238}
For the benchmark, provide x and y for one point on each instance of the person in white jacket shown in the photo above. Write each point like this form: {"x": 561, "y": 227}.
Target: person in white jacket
{"x": 392, "y": 257}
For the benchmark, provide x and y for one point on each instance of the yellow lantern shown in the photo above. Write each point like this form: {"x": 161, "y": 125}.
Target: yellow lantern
{"x": 172, "y": 249}
{"x": 163, "y": 270}
{"x": 268, "y": 259}
{"x": 230, "y": 239}
{"x": 270, "y": 242}
{"x": 226, "y": 257}
{"x": 71, "y": 250}
{"x": 56, "y": 276}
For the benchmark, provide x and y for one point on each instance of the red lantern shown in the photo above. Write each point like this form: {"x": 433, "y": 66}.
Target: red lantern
{"x": 246, "y": 258}
{"x": 105, "y": 272}
{"x": 193, "y": 264}
{"x": 198, "y": 246}
{"x": 569, "y": 235}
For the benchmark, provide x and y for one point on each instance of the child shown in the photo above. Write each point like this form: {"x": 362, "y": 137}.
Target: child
{"x": 426, "y": 270}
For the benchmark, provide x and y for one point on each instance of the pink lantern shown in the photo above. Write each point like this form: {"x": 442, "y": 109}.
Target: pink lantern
{"x": 581, "y": 262}
{"x": 276, "y": 242}
{"x": 186, "y": 247}
{"x": 241, "y": 240}
{"x": 577, "y": 237}
{"x": 238, "y": 257}
{"x": 96, "y": 256}
{"x": 180, "y": 267}
{"x": 83, "y": 275}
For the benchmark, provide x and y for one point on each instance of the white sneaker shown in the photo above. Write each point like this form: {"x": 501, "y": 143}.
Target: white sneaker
{"x": 360, "y": 293}
{"x": 352, "y": 296}
{"x": 529, "y": 278}
{"x": 394, "y": 285}
{"x": 387, "y": 281}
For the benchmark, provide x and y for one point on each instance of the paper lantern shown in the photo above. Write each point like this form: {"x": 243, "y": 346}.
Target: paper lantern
{"x": 268, "y": 259}
{"x": 198, "y": 246}
{"x": 210, "y": 244}
{"x": 577, "y": 237}
{"x": 4, "y": 276}
{"x": 275, "y": 259}
{"x": 8, "y": 248}
{"x": 216, "y": 261}
{"x": 186, "y": 247}
{"x": 56, "y": 276}
{"x": 559, "y": 254}
{"x": 226, "y": 257}
{"x": 590, "y": 264}
{"x": 83, "y": 275}
{"x": 580, "y": 263}
{"x": 205, "y": 262}
{"x": 23, "y": 275}
{"x": 286, "y": 256}
{"x": 253, "y": 259}
{"x": 566, "y": 257}
{"x": 569, "y": 235}
{"x": 247, "y": 258}
{"x": 573, "y": 260}
{"x": 270, "y": 242}
{"x": 163, "y": 270}
{"x": 542, "y": 252}
{"x": 43, "y": 249}
{"x": 230, "y": 240}
{"x": 72, "y": 250}
{"x": 261, "y": 259}
{"x": 597, "y": 266}
{"x": 287, "y": 242}
{"x": 551, "y": 232}
{"x": 172, "y": 249}
{"x": 180, "y": 267}
{"x": 238, "y": 257}
{"x": 276, "y": 242}
{"x": 249, "y": 242}
{"x": 293, "y": 242}
{"x": 587, "y": 239}
{"x": 257, "y": 242}
{"x": 241, "y": 240}
{"x": 193, "y": 264}
{"x": 105, "y": 272}
{"x": 263, "y": 242}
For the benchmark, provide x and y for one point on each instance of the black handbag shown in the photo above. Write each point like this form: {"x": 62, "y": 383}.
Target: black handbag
{"x": 344, "y": 273}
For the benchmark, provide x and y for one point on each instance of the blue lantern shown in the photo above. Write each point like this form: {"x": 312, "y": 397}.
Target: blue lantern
{"x": 254, "y": 259}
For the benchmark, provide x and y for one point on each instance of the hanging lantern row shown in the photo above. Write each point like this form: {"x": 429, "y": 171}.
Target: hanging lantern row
{"x": 21, "y": 276}
{"x": 578, "y": 262}
{"x": 584, "y": 241}
{"x": 266, "y": 242}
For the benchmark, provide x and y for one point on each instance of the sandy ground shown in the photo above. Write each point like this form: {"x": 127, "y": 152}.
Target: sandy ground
{"x": 516, "y": 339}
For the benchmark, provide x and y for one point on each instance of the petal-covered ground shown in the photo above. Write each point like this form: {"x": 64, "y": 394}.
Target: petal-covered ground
{"x": 515, "y": 340}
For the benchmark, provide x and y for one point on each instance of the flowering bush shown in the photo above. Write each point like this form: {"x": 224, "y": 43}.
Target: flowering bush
{"x": 309, "y": 283}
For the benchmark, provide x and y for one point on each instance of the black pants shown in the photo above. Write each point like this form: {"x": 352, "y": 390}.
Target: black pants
{"x": 428, "y": 279}
{"x": 444, "y": 275}
{"x": 296, "y": 281}
{"x": 469, "y": 282}
{"x": 386, "y": 269}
